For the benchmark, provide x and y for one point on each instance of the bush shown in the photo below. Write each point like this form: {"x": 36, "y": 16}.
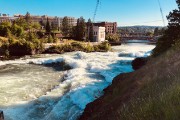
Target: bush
{"x": 163, "y": 44}
{"x": 113, "y": 37}
{"x": 89, "y": 48}
{"x": 104, "y": 46}
{"x": 77, "y": 46}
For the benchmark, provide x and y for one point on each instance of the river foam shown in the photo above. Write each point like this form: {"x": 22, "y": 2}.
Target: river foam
{"x": 90, "y": 74}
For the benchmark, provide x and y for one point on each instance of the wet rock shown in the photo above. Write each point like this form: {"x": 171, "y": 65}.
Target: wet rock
{"x": 139, "y": 62}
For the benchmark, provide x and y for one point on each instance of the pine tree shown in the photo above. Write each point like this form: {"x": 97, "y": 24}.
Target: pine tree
{"x": 80, "y": 29}
{"x": 65, "y": 27}
{"x": 90, "y": 30}
{"x": 48, "y": 27}
{"x": 156, "y": 31}
{"x": 28, "y": 17}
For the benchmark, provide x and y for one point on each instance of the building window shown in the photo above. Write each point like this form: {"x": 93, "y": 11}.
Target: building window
{"x": 102, "y": 35}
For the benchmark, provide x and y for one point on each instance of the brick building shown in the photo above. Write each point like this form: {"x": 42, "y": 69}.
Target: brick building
{"x": 110, "y": 27}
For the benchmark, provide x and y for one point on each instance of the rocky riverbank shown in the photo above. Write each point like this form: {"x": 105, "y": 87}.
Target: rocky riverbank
{"x": 149, "y": 93}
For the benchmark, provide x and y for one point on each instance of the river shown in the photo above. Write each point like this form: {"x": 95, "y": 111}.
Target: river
{"x": 32, "y": 90}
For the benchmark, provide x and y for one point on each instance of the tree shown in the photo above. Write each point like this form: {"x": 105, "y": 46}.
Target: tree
{"x": 150, "y": 34}
{"x": 72, "y": 32}
{"x": 53, "y": 26}
{"x": 5, "y": 29}
{"x": 80, "y": 29}
{"x": 171, "y": 34}
{"x": 28, "y": 17}
{"x": 36, "y": 25}
{"x": 16, "y": 30}
{"x": 90, "y": 30}
{"x": 65, "y": 27}
{"x": 22, "y": 22}
{"x": 156, "y": 31}
{"x": 48, "y": 27}
{"x": 113, "y": 37}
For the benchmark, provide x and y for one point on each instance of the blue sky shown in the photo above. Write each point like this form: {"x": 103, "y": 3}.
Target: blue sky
{"x": 125, "y": 12}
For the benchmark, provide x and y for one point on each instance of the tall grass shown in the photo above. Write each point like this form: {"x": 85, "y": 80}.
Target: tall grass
{"x": 159, "y": 97}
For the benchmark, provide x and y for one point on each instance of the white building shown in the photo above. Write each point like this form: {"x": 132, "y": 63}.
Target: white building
{"x": 98, "y": 34}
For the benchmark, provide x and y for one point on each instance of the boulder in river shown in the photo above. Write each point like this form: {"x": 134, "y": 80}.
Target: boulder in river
{"x": 139, "y": 62}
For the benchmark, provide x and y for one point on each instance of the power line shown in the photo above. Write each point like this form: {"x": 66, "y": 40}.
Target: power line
{"x": 161, "y": 12}
{"x": 95, "y": 12}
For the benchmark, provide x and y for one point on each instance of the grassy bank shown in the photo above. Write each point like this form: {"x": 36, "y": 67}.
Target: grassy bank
{"x": 150, "y": 93}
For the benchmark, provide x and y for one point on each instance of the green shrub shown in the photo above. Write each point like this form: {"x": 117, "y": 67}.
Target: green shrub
{"x": 113, "y": 37}
{"x": 89, "y": 48}
{"x": 77, "y": 46}
{"x": 50, "y": 39}
{"x": 104, "y": 46}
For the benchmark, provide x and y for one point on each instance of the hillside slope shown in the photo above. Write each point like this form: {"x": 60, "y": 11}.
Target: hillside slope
{"x": 150, "y": 93}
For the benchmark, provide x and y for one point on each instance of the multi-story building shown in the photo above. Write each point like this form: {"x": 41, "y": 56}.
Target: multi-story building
{"x": 110, "y": 27}
{"x": 57, "y": 21}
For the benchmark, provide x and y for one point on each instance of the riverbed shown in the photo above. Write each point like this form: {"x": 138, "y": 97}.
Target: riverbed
{"x": 32, "y": 90}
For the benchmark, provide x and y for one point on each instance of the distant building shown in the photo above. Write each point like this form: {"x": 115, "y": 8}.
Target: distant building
{"x": 110, "y": 27}
{"x": 6, "y": 18}
{"x": 57, "y": 21}
{"x": 98, "y": 34}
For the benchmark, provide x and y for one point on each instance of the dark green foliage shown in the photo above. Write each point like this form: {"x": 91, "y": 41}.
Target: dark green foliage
{"x": 40, "y": 34}
{"x": 5, "y": 29}
{"x": 48, "y": 27}
{"x": 72, "y": 32}
{"x": 50, "y": 39}
{"x": 77, "y": 46}
{"x": 90, "y": 30}
{"x": 28, "y": 17}
{"x": 113, "y": 37}
{"x": 66, "y": 27}
{"x": 104, "y": 46}
{"x": 16, "y": 30}
{"x": 25, "y": 46}
{"x": 22, "y": 22}
{"x": 156, "y": 31}
{"x": 171, "y": 35}
{"x": 54, "y": 26}
{"x": 80, "y": 29}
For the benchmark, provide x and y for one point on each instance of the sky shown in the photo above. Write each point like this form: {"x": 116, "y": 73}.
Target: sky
{"x": 124, "y": 12}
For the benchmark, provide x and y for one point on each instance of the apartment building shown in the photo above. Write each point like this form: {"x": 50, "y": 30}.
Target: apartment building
{"x": 57, "y": 21}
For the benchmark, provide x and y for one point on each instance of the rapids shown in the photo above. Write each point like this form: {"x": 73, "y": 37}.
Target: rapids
{"x": 31, "y": 90}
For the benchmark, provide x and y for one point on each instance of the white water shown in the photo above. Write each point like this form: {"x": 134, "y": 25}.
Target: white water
{"x": 35, "y": 92}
